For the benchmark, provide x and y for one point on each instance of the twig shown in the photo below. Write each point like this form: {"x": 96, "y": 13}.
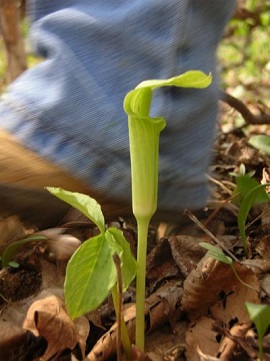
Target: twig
{"x": 220, "y": 184}
{"x": 248, "y": 116}
{"x": 199, "y": 224}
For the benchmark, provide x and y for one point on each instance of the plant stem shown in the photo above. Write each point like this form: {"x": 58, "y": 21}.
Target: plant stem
{"x": 124, "y": 333}
{"x": 241, "y": 281}
{"x": 117, "y": 262}
{"x": 143, "y": 224}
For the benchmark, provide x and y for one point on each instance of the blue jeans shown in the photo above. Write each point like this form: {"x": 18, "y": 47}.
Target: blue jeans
{"x": 69, "y": 107}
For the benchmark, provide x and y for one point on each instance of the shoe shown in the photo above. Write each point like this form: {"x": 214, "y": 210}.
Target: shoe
{"x": 23, "y": 178}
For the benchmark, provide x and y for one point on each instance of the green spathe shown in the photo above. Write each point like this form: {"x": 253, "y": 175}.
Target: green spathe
{"x": 144, "y": 134}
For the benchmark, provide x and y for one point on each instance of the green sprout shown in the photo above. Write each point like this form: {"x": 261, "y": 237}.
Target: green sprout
{"x": 91, "y": 273}
{"x": 260, "y": 316}
{"x": 247, "y": 193}
{"x": 216, "y": 253}
{"x": 144, "y": 134}
{"x": 10, "y": 251}
{"x": 254, "y": 196}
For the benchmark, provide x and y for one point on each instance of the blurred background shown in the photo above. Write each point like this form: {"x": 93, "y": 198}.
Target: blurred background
{"x": 244, "y": 57}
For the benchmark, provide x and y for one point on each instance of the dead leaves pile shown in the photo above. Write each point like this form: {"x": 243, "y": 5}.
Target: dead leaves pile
{"x": 194, "y": 310}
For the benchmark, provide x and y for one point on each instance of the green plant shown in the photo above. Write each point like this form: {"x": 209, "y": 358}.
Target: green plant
{"x": 94, "y": 258}
{"x": 244, "y": 183}
{"x": 247, "y": 193}
{"x": 91, "y": 273}
{"x": 144, "y": 145}
{"x": 219, "y": 255}
{"x": 260, "y": 316}
{"x": 14, "y": 247}
{"x": 249, "y": 200}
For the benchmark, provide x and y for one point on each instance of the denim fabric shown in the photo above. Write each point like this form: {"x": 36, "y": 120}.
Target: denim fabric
{"x": 69, "y": 107}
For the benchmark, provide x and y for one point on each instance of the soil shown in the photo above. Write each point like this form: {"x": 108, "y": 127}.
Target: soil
{"x": 195, "y": 307}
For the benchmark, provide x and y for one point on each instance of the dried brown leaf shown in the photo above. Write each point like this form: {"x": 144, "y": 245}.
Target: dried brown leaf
{"x": 233, "y": 338}
{"x": 160, "y": 307}
{"x": 263, "y": 248}
{"x": 11, "y": 230}
{"x": 153, "y": 356}
{"x": 257, "y": 265}
{"x": 19, "y": 344}
{"x": 47, "y": 317}
{"x": 265, "y": 284}
{"x": 201, "y": 335}
{"x": 213, "y": 285}
{"x": 160, "y": 264}
{"x": 186, "y": 252}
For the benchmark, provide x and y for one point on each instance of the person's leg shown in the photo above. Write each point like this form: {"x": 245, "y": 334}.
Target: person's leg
{"x": 68, "y": 109}
{"x": 26, "y": 175}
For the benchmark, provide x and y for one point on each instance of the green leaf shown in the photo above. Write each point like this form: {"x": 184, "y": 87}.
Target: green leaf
{"x": 260, "y": 142}
{"x": 90, "y": 276}
{"x": 14, "y": 247}
{"x": 216, "y": 253}
{"x": 265, "y": 19}
{"x": 244, "y": 184}
{"x": 84, "y": 203}
{"x": 250, "y": 199}
{"x": 260, "y": 315}
{"x": 190, "y": 79}
{"x": 13, "y": 264}
{"x": 129, "y": 267}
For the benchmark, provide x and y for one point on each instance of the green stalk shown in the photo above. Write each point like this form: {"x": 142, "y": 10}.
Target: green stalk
{"x": 240, "y": 280}
{"x": 140, "y": 281}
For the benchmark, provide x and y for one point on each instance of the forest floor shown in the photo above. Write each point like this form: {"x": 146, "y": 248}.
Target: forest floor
{"x": 196, "y": 304}
{"x": 195, "y": 308}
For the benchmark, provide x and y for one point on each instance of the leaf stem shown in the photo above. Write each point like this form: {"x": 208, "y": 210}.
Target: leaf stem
{"x": 240, "y": 280}
{"x": 124, "y": 333}
{"x": 143, "y": 224}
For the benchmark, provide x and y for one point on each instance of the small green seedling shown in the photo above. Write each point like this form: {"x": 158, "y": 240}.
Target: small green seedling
{"x": 247, "y": 193}
{"x": 144, "y": 134}
{"x": 219, "y": 255}
{"x": 91, "y": 273}
{"x": 260, "y": 316}
{"x": 254, "y": 196}
{"x": 14, "y": 247}
{"x": 244, "y": 183}
{"x": 216, "y": 253}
